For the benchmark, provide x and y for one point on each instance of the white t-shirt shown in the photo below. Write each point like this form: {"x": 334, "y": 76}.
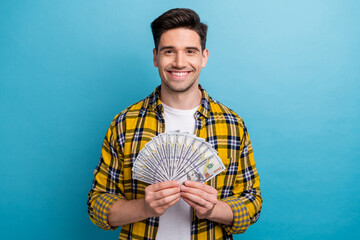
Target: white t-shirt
{"x": 175, "y": 223}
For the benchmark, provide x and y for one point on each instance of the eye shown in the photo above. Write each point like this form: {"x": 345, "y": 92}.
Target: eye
{"x": 167, "y": 52}
{"x": 192, "y": 51}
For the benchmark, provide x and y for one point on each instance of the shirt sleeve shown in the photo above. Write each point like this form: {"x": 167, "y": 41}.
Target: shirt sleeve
{"x": 246, "y": 200}
{"x": 107, "y": 185}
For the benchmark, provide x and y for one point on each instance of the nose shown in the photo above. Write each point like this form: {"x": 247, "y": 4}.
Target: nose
{"x": 179, "y": 61}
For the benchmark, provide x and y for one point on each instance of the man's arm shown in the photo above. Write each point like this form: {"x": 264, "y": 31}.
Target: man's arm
{"x": 241, "y": 208}
{"x": 108, "y": 208}
{"x": 106, "y": 190}
{"x": 158, "y": 198}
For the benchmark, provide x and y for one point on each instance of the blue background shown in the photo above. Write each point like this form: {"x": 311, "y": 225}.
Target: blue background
{"x": 291, "y": 69}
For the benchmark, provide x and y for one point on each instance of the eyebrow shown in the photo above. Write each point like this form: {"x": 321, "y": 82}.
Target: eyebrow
{"x": 172, "y": 47}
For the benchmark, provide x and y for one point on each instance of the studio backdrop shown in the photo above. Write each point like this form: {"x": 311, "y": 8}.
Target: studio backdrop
{"x": 290, "y": 69}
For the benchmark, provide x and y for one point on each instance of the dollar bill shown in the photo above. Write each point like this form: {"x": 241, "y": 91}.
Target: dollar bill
{"x": 174, "y": 156}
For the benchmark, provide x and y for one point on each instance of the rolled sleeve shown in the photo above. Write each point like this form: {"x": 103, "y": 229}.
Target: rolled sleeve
{"x": 100, "y": 210}
{"x": 241, "y": 216}
{"x": 107, "y": 186}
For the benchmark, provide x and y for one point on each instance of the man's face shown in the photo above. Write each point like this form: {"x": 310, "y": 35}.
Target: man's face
{"x": 179, "y": 59}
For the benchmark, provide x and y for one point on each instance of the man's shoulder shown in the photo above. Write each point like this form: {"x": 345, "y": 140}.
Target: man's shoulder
{"x": 133, "y": 111}
{"x": 219, "y": 110}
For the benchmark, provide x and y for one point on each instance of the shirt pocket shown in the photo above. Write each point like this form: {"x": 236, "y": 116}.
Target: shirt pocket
{"x": 225, "y": 181}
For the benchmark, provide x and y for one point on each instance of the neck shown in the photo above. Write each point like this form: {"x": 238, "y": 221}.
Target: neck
{"x": 181, "y": 100}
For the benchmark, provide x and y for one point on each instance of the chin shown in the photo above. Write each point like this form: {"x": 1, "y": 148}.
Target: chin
{"x": 179, "y": 88}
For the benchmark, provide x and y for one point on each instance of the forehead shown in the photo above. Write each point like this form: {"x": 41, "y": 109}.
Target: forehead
{"x": 180, "y": 38}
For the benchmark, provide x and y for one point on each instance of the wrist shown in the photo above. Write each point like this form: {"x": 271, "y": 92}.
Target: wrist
{"x": 146, "y": 210}
{"x": 222, "y": 213}
{"x": 213, "y": 212}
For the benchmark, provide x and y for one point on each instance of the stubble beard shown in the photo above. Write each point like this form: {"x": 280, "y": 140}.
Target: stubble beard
{"x": 179, "y": 90}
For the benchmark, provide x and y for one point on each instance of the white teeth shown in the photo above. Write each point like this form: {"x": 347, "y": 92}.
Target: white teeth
{"x": 179, "y": 74}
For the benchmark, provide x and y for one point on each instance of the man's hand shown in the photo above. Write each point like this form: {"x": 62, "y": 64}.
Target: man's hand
{"x": 161, "y": 196}
{"x": 201, "y": 197}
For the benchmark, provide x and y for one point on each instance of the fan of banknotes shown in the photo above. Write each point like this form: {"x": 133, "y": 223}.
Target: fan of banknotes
{"x": 176, "y": 156}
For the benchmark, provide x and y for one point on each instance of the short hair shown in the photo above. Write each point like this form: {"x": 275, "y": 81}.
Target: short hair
{"x": 176, "y": 18}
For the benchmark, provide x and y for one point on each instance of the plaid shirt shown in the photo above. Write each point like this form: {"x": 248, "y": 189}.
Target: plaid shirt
{"x": 238, "y": 185}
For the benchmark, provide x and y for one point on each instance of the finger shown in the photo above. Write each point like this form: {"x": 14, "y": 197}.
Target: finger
{"x": 201, "y": 186}
{"x": 198, "y": 200}
{"x": 173, "y": 202}
{"x": 163, "y": 185}
{"x": 194, "y": 205}
{"x": 165, "y": 193}
{"x": 166, "y": 201}
{"x": 212, "y": 198}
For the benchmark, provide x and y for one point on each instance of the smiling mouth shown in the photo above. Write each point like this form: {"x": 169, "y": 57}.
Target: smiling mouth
{"x": 179, "y": 74}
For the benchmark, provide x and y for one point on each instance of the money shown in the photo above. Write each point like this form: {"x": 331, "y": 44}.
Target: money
{"x": 174, "y": 155}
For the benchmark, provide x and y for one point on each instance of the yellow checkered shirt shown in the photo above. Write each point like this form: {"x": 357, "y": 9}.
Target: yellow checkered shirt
{"x": 238, "y": 185}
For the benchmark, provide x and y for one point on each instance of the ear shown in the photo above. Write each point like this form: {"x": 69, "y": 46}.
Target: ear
{"x": 154, "y": 57}
{"x": 205, "y": 57}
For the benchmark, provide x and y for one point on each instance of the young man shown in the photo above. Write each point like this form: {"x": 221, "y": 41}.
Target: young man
{"x": 225, "y": 205}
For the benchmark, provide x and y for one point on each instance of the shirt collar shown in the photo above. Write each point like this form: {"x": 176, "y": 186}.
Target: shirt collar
{"x": 204, "y": 109}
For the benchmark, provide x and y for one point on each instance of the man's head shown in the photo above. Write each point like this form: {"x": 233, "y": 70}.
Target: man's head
{"x": 178, "y": 18}
{"x": 179, "y": 52}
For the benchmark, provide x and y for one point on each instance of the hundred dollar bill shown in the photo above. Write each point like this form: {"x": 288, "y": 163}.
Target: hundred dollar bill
{"x": 206, "y": 170}
{"x": 150, "y": 148}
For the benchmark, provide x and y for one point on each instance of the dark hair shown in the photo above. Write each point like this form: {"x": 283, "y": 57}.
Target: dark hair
{"x": 176, "y": 18}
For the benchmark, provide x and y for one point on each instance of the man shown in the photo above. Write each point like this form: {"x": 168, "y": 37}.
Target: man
{"x": 225, "y": 205}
